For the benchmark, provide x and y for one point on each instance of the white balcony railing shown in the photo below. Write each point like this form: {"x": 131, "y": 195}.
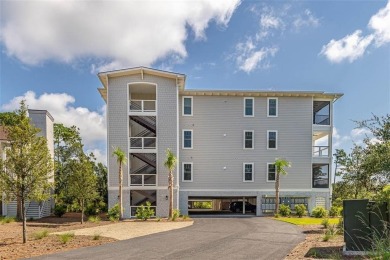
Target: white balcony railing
{"x": 320, "y": 151}
{"x": 142, "y": 142}
{"x": 142, "y": 105}
{"x": 143, "y": 179}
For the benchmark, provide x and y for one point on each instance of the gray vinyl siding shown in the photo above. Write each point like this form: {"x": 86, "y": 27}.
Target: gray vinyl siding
{"x": 214, "y": 116}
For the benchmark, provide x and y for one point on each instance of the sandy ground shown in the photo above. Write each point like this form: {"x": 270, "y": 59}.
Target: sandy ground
{"x": 130, "y": 229}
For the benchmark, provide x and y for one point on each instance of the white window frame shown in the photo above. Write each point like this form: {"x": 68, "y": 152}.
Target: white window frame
{"x": 268, "y": 180}
{"x": 192, "y": 138}
{"x": 277, "y": 106}
{"x": 253, "y": 139}
{"x": 253, "y": 106}
{"x": 253, "y": 171}
{"x": 276, "y": 142}
{"x": 192, "y": 106}
{"x": 192, "y": 172}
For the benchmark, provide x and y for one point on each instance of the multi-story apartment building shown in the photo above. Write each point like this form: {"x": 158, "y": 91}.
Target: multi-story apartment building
{"x": 43, "y": 120}
{"x": 225, "y": 142}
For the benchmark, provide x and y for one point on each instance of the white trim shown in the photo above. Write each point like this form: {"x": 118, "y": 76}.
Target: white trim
{"x": 182, "y": 171}
{"x": 243, "y": 172}
{"x": 182, "y": 105}
{"x": 254, "y": 190}
{"x": 192, "y": 139}
{"x": 277, "y": 106}
{"x": 267, "y": 179}
{"x": 253, "y": 140}
{"x": 114, "y": 188}
{"x": 276, "y": 141}
{"x": 253, "y": 107}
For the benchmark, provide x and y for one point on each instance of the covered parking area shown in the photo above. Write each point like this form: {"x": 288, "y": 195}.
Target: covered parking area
{"x": 221, "y": 205}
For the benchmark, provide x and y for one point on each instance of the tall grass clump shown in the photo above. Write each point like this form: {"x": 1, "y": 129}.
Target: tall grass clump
{"x": 41, "y": 234}
{"x": 66, "y": 237}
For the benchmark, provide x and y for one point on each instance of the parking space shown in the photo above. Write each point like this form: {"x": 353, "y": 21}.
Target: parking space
{"x": 221, "y": 205}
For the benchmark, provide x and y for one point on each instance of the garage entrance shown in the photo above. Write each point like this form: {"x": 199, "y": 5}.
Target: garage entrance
{"x": 221, "y": 205}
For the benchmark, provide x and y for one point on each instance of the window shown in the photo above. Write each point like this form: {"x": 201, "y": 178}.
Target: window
{"x": 248, "y": 106}
{"x": 248, "y": 139}
{"x": 187, "y": 172}
{"x": 272, "y": 108}
{"x": 320, "y": 176}
{"x": 248, "y": 172}
{"x": 271, "y": 172}
{"x": 187, "y": 106}
{"x": 187, "y": 139}
{"x": 272, "y": 137}
{"x": 321, "y": 112}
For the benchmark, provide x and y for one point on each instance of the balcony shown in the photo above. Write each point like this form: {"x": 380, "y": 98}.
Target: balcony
{"x": 320, "y": 151}
{"x": 142, "y": 107}
{"x": 143, "y": 179}
{"x": 143, "y": 143}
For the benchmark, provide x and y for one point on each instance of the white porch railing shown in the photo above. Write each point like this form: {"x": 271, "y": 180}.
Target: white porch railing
{"x": 142, "y": 105}
{"x": 143, "y": 179}
{"x": 321, "y": 151}
{"x": 133, "y": 210}
{"x": 142, "y": 142}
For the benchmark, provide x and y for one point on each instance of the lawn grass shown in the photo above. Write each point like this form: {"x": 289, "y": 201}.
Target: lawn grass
{"x": 307, "y": 221}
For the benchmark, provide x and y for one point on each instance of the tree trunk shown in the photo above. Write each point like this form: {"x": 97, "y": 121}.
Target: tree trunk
{"x": 170, "y": 189}
{"x": 277, "y": 193}
{"x": 120, "y": 192}
{"x": 19, "y": 211}
{"x": 24, "y": 215}
{"x": 82, "y": 212}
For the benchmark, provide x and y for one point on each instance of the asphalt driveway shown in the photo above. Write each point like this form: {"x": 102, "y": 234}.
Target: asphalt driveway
{"x": 208, "y": 238}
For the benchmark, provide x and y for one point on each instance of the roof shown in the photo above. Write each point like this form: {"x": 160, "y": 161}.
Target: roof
{"x": 261, "y": 93}
{"x": 103, "y": 76}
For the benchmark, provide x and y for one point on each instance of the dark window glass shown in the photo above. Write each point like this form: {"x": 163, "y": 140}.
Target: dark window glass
{"x": 249, "y": 107}
{"x": 187, "y": 106}
{"x": 248, "y": 172}
{"x": 187, "y": 139}
{"x": 271, "y": 172}
{"x": 271, "y": 139}
{"x": 248, "y": 139}
{"x": 320, "y": 176}
{"x": 272, "y": 107}
{"x": 187, "y": 172}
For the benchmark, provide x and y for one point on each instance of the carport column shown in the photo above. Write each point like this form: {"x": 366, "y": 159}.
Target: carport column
{"x": 259, "y": 212}
{"x": 243, "y": 205}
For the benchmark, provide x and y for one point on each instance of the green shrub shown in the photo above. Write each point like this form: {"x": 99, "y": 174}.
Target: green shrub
{"x": 276, "y": 215}
{"x": 325, "y": 223}
{"x": 185, "y": 217}
{"x": 41, "y": 234}
{"x": 319, "y": 212}
{"x": 114, "y": 213}
{"x": 59, "y": 210}
{"x": 335, "y": 211}
{"x": 92, "y": 210}
{"x": 300, "y": 210}
{"x": 96, "y": 236}
{"x": 284, "y": 210}
{"x": 7, "y": 220}
{"x": 66, "y": 237}
{"x": 176, "y": 214}
{"x": 94, "y": 219}
{"x": 143, "y": 212}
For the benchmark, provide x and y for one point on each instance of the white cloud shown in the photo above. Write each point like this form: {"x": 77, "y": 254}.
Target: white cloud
{"x": 92, "y": 124}
{"x": 353, "y": 46}
{"x": 350, "y": 47}
{"x": 307, "y": 19}
{"x": 380, "y": 23}
{"x": 359, "y": 132}
{"x": 253, "y": 53}
{"x": 114, "y": 34}
{"x": 249, "y": 58}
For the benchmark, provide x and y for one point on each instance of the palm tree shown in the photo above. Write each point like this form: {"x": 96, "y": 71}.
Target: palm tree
{"x": 170, "y": 164}
{"x": 121, "y": 159}
{"x": 280, "y": 164}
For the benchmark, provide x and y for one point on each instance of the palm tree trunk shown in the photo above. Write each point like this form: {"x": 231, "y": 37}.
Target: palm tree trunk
{"x": 24, "y": 215}
{"x": 120, "y": 192}
{"x": 277, "y": 193}
{"x": 170, "y": 187}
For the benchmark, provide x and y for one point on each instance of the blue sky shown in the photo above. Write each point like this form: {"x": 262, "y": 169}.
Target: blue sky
{"x": 51, "y": 52}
